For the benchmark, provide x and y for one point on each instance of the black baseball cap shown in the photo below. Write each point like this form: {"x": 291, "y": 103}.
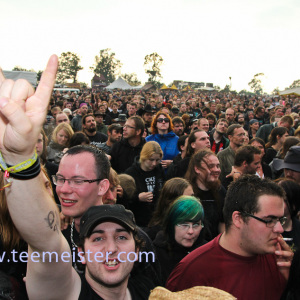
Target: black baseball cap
{"x": 291, "y": 160}
{"x": 96, "y": 215}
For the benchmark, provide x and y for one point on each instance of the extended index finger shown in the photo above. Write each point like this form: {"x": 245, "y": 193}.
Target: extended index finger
{"x": 45, "y": 87}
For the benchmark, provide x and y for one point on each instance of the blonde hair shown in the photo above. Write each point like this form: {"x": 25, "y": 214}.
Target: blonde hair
{"x": 149, "y": 149}
{"x": 62, "y": 126}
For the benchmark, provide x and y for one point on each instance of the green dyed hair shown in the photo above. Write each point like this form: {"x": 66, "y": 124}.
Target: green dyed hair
{"x": 183, "y": 209}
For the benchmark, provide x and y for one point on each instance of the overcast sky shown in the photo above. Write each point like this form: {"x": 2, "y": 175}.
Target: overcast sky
{"x": 202, "y": 41}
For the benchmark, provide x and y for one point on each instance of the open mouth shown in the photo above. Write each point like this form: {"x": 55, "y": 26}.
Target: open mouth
{"x": 111, "y": 263}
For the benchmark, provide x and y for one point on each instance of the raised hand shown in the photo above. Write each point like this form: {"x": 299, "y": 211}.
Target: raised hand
{"x": 22, "y": 113}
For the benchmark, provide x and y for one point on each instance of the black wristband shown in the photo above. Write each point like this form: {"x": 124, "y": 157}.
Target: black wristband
{"x": 29, "y": 173}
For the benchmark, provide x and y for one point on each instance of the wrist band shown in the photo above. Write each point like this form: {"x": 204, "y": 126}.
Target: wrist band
{"x": 19, "y": 167}
{"x": 29, "y": 173}
{"x": 23, "y": 171}
{"x": 237, "y": 172}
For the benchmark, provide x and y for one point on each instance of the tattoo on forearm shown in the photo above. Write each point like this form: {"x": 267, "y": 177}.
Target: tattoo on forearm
{"x": 53, "y": 221}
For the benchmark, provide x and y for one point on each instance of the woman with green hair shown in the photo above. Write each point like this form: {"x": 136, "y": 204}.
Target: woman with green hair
{"x": 182, "y": 226}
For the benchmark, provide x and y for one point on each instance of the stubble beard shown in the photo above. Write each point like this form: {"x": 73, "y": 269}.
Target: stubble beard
{"x": 105, "y": 284}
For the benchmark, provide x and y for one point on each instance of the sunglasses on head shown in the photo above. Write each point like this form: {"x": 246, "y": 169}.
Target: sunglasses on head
{"x": 160, "y": 120}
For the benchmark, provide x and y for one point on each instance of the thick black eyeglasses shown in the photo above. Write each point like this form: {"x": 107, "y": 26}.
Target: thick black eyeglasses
{"x": 160, "y": 120}
{"x": 269, "y": 223}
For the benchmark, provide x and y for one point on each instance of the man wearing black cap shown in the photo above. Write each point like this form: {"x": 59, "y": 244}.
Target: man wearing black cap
{"x": 290, "y": 164}
{"x": 147, "y": 115}
{"x": 109, "y": 247}
{"x": 99, "y": 117}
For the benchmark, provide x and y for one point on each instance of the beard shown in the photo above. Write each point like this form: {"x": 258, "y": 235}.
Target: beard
{"x": 91, "y": 129}
{"x": 213, "y": 185}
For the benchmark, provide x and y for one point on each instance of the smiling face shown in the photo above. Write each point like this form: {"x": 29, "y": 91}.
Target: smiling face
{"x": 110, "y": 239}
{"x": 209, "y": 172}
{"x": 76, "y": 200}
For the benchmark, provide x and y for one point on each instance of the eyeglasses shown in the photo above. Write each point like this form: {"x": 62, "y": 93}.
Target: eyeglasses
{"x": 269, "y": 223}
{"x": 127, "y": 126}
{"x": 187, "y": 226}
{"x": 160, "y": 120}
{"x": 75, "y": 183}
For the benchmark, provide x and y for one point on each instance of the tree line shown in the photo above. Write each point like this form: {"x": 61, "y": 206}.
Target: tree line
{"x": 109, "y": 66}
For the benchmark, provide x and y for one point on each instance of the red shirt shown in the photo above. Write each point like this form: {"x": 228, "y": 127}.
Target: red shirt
{"x": 246, "y": 278}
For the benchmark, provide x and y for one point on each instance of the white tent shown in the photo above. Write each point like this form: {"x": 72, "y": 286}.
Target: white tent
{"x": 294, "y": 91}
{"x": 29, "y": 76}
{"x": 119, "y": 84}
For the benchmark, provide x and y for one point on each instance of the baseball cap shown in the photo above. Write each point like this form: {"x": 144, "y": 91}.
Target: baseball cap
{"x": 96, "y": 215}
{"x": 291, "y": 160}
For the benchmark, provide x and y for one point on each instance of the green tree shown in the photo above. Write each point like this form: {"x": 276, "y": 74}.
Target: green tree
{"x": 83, "y": 85}
{"x": 275, "y": 91}
{"x": 107, "y": 64}
{"x": 226, "y": 89}
{"x": 131, "y": 78}
{"x": 152, "y": 65}
{"x": 295, "y": 84}
{"x": 245, "y": 92}
{"x": 255, "y": 84}
{"x": 68, "y": 67}
{"x": 18, "y": 68}
{"x": 39, "y": 75}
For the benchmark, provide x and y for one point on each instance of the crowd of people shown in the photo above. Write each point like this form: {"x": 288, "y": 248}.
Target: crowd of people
{"x": 207, "y": 182}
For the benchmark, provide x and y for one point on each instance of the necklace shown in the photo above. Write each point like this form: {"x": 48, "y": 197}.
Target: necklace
{"x": 71, "y": 235}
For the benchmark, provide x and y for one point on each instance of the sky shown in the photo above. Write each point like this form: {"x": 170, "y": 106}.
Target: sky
{"x": 199, "y": 40}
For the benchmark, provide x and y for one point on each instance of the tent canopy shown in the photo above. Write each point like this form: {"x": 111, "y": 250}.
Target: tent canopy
{"x": 15, "y": 75}
{"x": 164, "y": 87}
{"x": 295, "y": 91}
{"x": 120, "y": 83}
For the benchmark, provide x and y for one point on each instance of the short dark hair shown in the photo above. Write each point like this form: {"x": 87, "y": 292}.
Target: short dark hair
{"x": 139, "y": 123}
{"x": 102, "y": 164}
{"x": 78, "y": 138}
{"x": 205, "y": 109}
{"x": 116, "y": 127}
{"x": 245, "y": 153}
{"x": 242, "y": 196}
{"x": 133, "y": 104}
{"x": 222, "y": 120}
{"x": 176, "y": 120}
{"x": 231, "y": 128}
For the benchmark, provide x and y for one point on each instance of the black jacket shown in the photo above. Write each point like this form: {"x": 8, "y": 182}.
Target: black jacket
{"x": 170, "y": 254}
{"x": 123, "y": 155}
